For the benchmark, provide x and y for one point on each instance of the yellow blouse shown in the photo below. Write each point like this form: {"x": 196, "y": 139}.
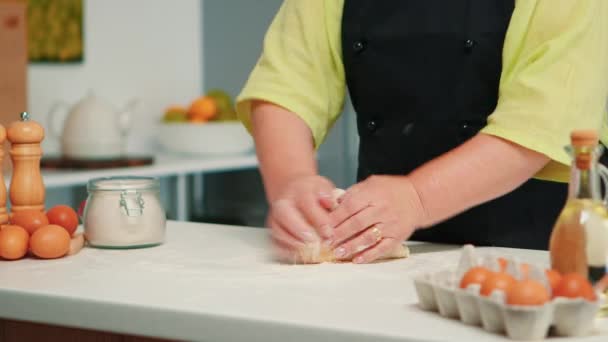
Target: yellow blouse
{"x": 554, "y": 77}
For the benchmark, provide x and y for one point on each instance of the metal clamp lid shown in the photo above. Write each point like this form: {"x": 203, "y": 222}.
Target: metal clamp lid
{"x": 132, "y": 202}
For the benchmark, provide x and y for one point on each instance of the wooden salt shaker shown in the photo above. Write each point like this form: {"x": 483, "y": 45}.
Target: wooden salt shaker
{"x": 27, "y": 188}
{"x": 3, "y": 211}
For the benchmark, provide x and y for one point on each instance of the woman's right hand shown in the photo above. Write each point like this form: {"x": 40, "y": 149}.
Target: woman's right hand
{"x": 297, "y": 216}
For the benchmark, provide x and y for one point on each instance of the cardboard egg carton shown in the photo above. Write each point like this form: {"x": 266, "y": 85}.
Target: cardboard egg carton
{"x": 440, "y": 292}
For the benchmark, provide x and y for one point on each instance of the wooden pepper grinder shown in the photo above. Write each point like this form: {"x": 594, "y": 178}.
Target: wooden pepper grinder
{"x": 27, "y": 188}
{"x": 3, "y": 211}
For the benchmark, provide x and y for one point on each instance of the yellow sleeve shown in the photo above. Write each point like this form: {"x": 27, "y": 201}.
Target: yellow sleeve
{"x": 554, "y": 78}
{"x": 300, "y": 68}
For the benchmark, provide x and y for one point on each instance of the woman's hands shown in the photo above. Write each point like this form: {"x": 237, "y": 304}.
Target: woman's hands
{"x": 370, "y": 220}
{"x": 297, "y": 217}
{"x": 374, "y": 216}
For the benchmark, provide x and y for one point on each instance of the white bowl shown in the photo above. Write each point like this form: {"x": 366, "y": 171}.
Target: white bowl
{"x": 211, "y": 138}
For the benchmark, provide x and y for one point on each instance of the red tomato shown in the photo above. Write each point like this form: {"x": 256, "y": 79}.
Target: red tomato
{"x": 30, "y": 220}
{"x": 497, "y": 281}
{"x": 475, "y": 275}
{"x": 64, "y": 216}
{"x": 574, "y": 285}
{"x": 527, "y": 292}
{"x": 81, "y": 208}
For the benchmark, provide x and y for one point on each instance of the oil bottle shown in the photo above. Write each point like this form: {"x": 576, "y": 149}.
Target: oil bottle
{"x": 579, "y": 240}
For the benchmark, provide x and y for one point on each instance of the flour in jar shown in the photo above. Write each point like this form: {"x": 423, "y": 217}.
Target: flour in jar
{"x": 127, "y": 215}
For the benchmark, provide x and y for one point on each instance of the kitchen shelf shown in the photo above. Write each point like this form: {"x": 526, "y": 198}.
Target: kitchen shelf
{"x": 165, "y": 165}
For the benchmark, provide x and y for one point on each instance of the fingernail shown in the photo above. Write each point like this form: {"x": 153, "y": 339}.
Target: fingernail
{"x": 358, "y": 260}
{"x": 310, "y": 236}
{"x": 324, "y": 194}
{"x": 360, "y": 249}
{"x": 340, "y": 252}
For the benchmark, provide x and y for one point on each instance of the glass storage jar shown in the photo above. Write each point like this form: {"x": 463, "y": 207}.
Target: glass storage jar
{"x": 124, "y": 212}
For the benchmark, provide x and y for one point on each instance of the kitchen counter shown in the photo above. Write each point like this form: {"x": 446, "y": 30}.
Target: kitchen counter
{"x": 217, "y": 283}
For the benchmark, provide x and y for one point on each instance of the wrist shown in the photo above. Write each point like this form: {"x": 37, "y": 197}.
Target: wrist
{"x": 415, "y": 205}
{"x": 281, "y": 187}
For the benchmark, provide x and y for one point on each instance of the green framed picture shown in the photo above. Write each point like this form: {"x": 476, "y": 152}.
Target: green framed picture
{"x": 55, "y": 31}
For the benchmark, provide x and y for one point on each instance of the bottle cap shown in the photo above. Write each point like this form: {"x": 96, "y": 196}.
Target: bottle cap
{"x": 584, "y": 137}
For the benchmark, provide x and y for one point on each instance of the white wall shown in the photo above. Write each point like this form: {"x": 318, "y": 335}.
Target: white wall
{"x": 229, "y": 57}
{"x": 153, "y": 49}
{"x": 149, "y": 49}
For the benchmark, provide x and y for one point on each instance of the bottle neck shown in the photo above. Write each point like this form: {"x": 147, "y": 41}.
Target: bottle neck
{"x": 584, "y": 182}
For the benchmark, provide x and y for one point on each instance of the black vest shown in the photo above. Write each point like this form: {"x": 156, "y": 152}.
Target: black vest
{"x": 423, "y": 77}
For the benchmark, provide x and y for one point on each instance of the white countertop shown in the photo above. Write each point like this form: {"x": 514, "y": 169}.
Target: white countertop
{"x": 217, "y": 283}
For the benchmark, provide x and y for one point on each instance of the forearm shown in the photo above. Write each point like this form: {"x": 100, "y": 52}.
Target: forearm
{"x": 284, "y": 146}
{"x": 482, "y": 169}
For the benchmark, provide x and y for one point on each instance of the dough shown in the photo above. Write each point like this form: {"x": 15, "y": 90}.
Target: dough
{"x": 315, "y": 253}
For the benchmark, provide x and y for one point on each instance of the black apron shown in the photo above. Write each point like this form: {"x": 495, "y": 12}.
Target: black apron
{"x": 423, "y": 76}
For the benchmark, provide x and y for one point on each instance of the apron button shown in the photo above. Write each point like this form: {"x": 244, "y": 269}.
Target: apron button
{"x": 407, "y": 129}
{"x": 469, "y": 44}
{"x": 358, "y": 46}
{"x": 467, "y": 130}
{"x": 372, "y": 125}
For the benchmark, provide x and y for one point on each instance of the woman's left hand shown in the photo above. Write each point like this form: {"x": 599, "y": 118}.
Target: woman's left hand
{"x": 374, "y": 216}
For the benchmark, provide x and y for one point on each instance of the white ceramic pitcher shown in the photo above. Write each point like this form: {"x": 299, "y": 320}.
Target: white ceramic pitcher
{"x": 92, "y": 129}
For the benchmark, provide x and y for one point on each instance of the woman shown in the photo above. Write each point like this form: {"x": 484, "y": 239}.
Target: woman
{"x": 463, "y": 108}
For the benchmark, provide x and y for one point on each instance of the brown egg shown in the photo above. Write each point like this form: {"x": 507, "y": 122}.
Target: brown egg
{"x": 13, "y": 242}
{"x": 50, "y": 242}
{"x": 30, "y": 220}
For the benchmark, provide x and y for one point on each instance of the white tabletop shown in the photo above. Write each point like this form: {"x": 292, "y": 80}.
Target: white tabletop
{"x": 217, "y": 283}
{"x": 164, "y": 165}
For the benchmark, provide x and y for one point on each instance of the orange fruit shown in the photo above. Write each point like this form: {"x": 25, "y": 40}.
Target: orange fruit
{"x": 175, "y": 114}
{"x": 527, "y": 292}
{"x": 202, "y": 109}
{"x": 497, "y": 281}
{"x": 476, "y": 275}
{"x": 574, "y": 285}
{"x": 197, "y": 120}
